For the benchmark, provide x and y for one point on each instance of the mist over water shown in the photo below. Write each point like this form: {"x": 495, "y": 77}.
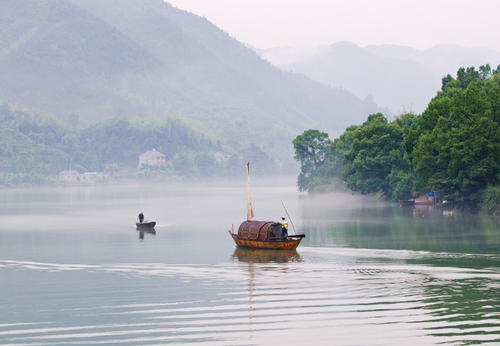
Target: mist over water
{"x": 74, "y": 270}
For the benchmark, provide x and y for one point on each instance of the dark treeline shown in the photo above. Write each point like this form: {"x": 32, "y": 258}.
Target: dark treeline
{"x": 34, "y": 147}
{"x": 453, "y": 147}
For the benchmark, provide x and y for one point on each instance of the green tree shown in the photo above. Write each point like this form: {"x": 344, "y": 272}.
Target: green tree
{"x": 485, "y": 71}
{"x": 467, "y": 76}
{"x": 328, "y": 176}
{"x": 311, "y": 149}
{"x": 455, "y": 144}
{"x": 376, "y": 151}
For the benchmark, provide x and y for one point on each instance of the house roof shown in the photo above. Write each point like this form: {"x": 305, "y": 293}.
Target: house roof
{"x": 152, "y": 154}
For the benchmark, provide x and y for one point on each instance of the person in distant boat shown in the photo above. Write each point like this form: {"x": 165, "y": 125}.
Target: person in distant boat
{"x": 284, "y": 227}
{"x": 141, "y": 217}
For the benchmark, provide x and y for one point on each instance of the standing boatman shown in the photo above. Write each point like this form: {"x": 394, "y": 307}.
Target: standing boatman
{"x": 284, "y": 228}
{"x": 141, "y": 217}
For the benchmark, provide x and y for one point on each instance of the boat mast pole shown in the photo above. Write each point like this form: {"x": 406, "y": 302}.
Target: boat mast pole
{"x": 250, "y": 214}
{"x": 289, "y": 218}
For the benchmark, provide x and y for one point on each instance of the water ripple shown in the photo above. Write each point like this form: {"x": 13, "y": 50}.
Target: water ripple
{"x": 248, "y": 302}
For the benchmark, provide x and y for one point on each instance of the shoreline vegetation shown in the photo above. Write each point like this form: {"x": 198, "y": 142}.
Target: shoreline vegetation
{"x": 452, "y": 148}
{"x": 35, "y": 149}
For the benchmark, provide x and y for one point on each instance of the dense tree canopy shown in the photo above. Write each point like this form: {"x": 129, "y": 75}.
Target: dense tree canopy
{"x": 455, "y": 143}
{"x": 375, "y": 152}
{"x": 453, "y": 147}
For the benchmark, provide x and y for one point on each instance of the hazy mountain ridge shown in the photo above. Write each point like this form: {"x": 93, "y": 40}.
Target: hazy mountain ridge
{"x": 49, "y": 65}
{"x": 284, "y": 55}
{"x": 364, "y": 73}
{"x": 248, "y": 88}
{"x": 398, "y": 77}
{"x": 100, "y": 59}
{"x": 441, "y": 59}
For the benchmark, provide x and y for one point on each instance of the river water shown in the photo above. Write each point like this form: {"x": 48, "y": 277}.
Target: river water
{"x": 74, "y": 270}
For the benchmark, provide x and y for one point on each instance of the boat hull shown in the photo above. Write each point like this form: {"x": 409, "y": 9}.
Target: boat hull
{"x": 150, "y": 224}
{"x": 249, "y": 255}
{"x": 289, "y": 244}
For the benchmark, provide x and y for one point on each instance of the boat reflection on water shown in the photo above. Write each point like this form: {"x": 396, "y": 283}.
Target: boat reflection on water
{"x": 143, "y": 230}
{"x": 265, "y": 255}
{"x": 251, "y": 261}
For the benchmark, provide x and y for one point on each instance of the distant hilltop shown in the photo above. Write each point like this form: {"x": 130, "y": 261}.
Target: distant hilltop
{"x": 399, "y": 78}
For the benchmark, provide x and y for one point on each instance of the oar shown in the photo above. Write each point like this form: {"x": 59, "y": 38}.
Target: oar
{"x": 289, "y": 218}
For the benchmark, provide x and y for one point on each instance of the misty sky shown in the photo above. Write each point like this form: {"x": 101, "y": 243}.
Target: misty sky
{"x": 420, "y": 24}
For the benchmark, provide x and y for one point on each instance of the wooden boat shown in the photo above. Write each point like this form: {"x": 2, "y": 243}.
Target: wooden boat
{"x": 289, "y": 243}
{"x": 146, "y": 224}
{"x": 263, "y": 234}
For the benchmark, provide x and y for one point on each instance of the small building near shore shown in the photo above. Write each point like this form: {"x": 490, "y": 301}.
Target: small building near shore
{"x": 152, "y": 158}
{"x": 74, "y": 177}
{"x": 429, "y": 198}
{"x": 69, "y": 177}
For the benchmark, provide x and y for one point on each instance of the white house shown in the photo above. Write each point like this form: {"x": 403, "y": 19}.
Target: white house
{"x": 152, "y": 158}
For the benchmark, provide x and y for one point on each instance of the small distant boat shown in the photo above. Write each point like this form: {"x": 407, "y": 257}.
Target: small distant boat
{"x": 146, "y": 224}
{"x": 263, "y": 234}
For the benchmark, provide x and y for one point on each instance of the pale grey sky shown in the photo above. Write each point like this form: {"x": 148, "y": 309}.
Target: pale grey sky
{"x": 417, "y": 23}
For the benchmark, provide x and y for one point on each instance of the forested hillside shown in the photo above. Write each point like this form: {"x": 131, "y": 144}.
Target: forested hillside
{"x": 453, "y": 147}
{"x": 34, "y": 147}
{"x": 93, "y": 60}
